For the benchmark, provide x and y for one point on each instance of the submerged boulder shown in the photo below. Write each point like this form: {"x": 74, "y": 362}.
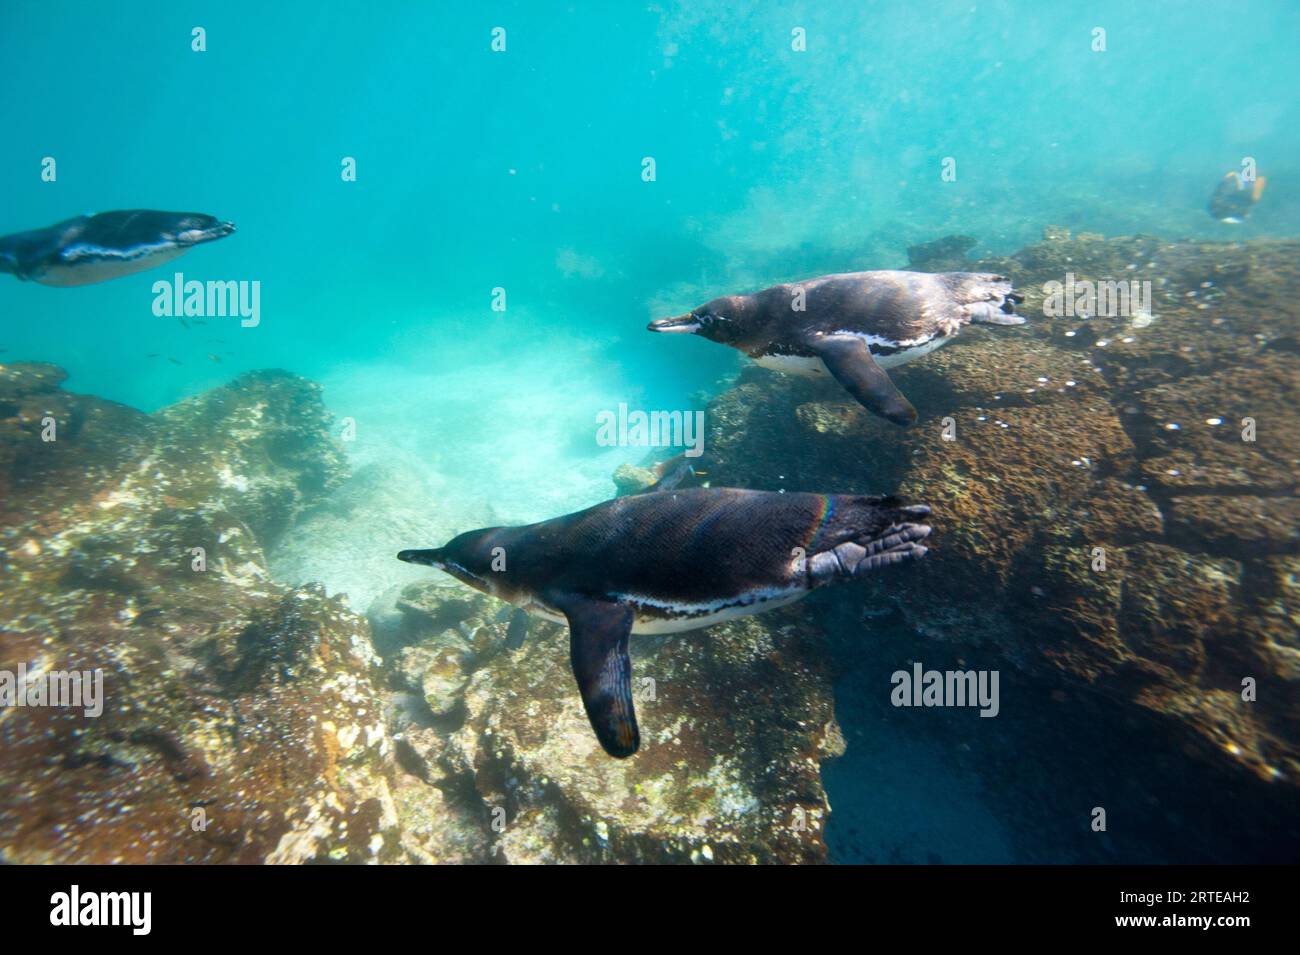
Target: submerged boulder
{"x": 734, "y": 724}
{"x": 947, "y": 254}
{"x": 241, "y": 719}
{"x": 261, "y": 444}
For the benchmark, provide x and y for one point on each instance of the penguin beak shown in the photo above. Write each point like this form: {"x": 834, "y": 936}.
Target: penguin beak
{"x": 218, "y": 230}
{"x": 682, "y": 323}
{"x": 430, "y": 558}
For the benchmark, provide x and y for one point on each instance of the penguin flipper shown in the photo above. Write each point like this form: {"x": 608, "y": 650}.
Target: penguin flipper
{"x": 849, "y": 359}
{"x": 599, "y": 633}
{"x": 517, "y": 632}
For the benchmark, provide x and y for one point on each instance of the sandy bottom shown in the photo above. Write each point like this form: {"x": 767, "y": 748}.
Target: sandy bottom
{"x": 464, "y": 442}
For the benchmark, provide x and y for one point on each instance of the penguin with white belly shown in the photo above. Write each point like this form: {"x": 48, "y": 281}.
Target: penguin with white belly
{"x": 853, "y": 326}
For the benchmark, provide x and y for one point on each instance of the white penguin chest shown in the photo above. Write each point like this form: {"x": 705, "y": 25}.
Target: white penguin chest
{"x": 793, "y": 365}
{"x": 814, "y": 367}
{"x": 84, "y": 272}
{"x": 910, "y": 352}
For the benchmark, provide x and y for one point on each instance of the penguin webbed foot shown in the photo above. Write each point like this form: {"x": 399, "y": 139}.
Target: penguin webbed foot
{"x": 897, "y": 542}
{"x": 993, "y": 313}
{"x": 994, "y": 318}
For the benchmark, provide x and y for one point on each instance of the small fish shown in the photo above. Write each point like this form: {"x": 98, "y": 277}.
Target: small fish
{"x": 173, "y": 361}
{"x": 185, "y": 323}
{"x": 213, "y": 357}
{"x": 152, "y": 355}
{"x": 1234, "y": 197}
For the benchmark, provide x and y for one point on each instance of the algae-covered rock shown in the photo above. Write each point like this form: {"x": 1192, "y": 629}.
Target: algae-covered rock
{"x": 838, "y": 418}
{"x": 1277, "y": 627}
{"x": 56, "y": 444}
{"x": 241, "y": 720}
{"x": 1241, "y": 524}
{"x": 261, "y": 445}
{"x": 947, "y": 254}
{"x": 630, "y": 479}
{"x": 734, "y": 724}
{"x": 439, "y": 673}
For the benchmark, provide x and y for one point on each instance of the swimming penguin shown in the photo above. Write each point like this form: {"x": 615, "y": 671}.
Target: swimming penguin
{"x": 97, "y": 248}
{"x": 1234, "y": 197}
{"x": 853, "y": 325}
{"x": 669, "y": 561}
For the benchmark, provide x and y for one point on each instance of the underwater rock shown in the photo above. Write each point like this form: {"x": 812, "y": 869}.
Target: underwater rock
{"x": 630, "y": 479}
{"x": 1084, "y": 442}
{"x": 439, "y": 609}
{"x": 1217, "y": 432}
{"x": 726, "y": 773}
{"x": 386, "y": 620}
{"x": 1276, "y": 629}
{"x": 58, "y": 445}
{"x": 260, "y": 445}
{"x": 1028, "y": 371}
{"x": 438, "y": 673}
{"x": 1244, "y": 526}
{"x": 830, "y": 417}
{"x": 663, "y": 474}
{"x": 242, "y": 720}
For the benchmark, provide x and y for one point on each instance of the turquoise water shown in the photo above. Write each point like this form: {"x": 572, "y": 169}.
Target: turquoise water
{"x": 522, "y": 170}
